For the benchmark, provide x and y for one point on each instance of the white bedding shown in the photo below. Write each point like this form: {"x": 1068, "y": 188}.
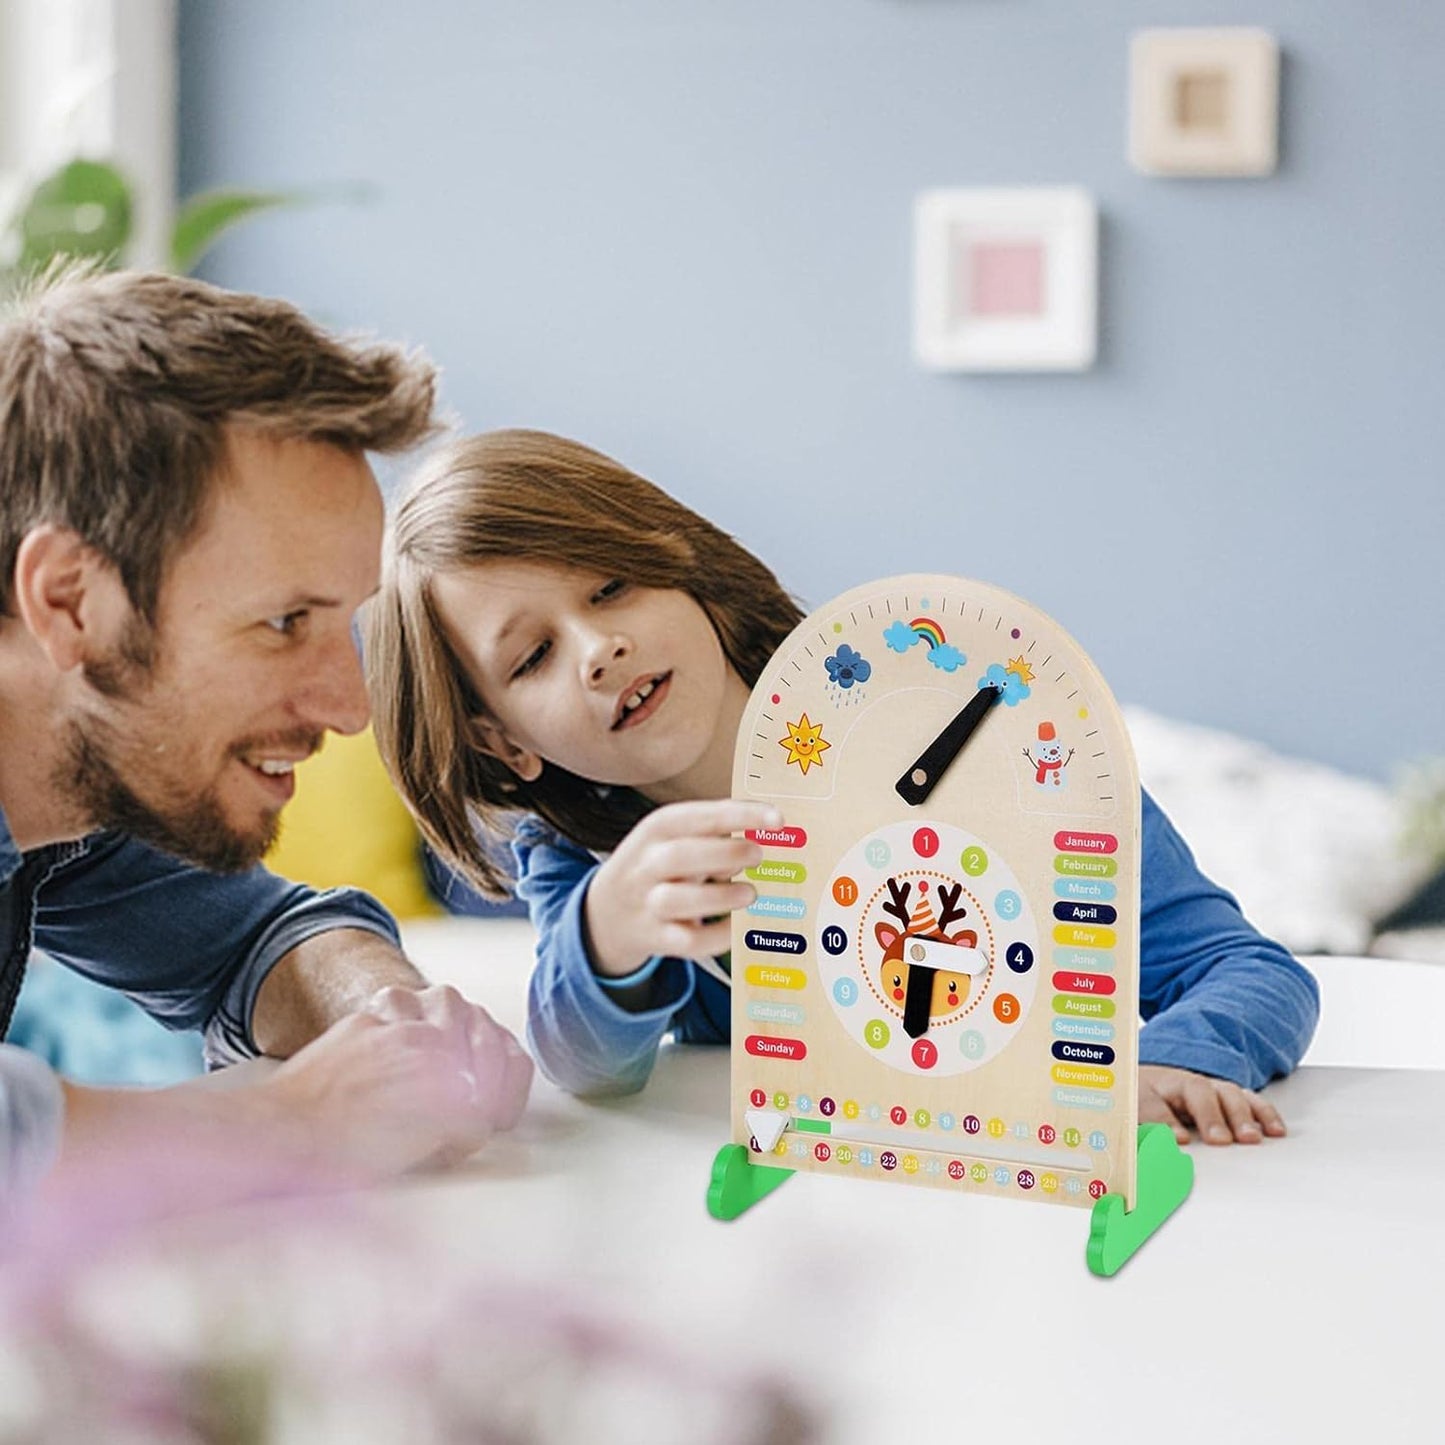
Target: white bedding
{"x": 1312, "y": 854}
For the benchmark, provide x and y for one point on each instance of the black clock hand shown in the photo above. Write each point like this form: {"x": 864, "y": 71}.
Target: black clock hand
{"x": 919, "y": 781}
{"x": 918, "y": 1002}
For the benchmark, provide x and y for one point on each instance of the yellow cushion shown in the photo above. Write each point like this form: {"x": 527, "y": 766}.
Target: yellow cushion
{"x": 347, "y": 825}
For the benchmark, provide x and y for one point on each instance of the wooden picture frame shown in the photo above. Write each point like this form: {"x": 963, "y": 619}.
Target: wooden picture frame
{"x": 1204, "y": 102}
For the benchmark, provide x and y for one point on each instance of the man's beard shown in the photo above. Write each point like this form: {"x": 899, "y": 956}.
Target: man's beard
{"x": 194, "y": 830}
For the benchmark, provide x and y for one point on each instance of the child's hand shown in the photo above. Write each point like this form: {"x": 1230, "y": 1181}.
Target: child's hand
{"x": 665, "y": 889}
{"x": 1222, "y": 1112}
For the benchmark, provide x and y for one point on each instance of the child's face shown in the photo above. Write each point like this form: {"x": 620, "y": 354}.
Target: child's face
{"x": 618, "y": 683}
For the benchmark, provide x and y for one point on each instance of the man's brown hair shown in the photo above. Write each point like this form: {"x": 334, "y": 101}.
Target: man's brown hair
{"x": 528, "y": 494}
{"x": 116, "y": 391}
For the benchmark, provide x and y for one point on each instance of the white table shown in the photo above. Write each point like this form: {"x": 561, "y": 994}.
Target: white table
{"x": 1379, "y": 1013}
{"x": 1296, "y": 1295}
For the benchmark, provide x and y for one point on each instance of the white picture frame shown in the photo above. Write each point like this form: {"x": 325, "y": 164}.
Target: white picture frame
{"x": 1006, "y": 279}
{"x": 1204, "y": 102}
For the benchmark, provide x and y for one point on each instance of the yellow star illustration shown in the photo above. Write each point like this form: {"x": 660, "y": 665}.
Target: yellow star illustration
{"x": 1021, "y": 670}
{"x": 805, "y": 743}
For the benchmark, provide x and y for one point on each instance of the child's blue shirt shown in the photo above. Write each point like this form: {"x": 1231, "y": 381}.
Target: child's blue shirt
{"x": 1217, "y": 996}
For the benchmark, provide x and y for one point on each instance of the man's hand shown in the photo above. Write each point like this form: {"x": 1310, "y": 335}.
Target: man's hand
{"x": 1222, "y": 1112}
{"x": 501, "y": 1068}
{"x": 418, "y": 1077}
{"x": 665, "y": 889}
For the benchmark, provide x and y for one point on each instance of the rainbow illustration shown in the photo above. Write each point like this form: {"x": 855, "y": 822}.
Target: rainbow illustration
{"x": 901, "y": 636}
{"x": 929, "y": 631}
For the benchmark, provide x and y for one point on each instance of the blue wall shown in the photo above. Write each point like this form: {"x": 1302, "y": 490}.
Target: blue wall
{"x": 681, "y": 231}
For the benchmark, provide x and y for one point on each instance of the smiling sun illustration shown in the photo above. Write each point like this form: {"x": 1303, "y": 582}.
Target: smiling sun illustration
{"x": 805, "y": 743}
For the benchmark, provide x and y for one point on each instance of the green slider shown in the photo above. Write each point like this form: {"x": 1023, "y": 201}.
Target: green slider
{"x": 812, "y": 1126}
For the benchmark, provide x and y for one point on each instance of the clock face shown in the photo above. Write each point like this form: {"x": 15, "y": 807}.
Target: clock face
{"x": 946, "y": 925}
{"x": 927, "y": 947}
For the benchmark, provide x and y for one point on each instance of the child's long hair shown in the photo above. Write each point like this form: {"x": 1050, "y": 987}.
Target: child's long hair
{"x": 530, "y": 495}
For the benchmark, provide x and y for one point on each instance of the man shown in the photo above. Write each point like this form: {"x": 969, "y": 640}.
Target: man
{"x": 188, "y": 524}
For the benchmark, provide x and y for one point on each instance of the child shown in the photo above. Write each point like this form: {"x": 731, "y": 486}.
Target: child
{"x": 559, "y": 657}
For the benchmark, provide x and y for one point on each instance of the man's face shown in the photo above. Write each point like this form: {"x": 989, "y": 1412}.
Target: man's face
{"x": 186, "y": 736}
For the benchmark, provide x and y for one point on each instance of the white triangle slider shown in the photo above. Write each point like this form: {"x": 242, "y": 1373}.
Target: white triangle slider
{"x": 767, "y": 1127}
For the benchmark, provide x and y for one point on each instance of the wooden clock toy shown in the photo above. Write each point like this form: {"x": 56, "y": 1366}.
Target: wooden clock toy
{"x": 938, "y": 981}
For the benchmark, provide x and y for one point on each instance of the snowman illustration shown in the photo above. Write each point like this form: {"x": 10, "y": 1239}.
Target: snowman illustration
{"x": 1052, "y": 760}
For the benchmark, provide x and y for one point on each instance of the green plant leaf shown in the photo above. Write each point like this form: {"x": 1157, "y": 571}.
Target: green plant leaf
{"x": 206, "y": 216}
{"x": 82, "y": 209}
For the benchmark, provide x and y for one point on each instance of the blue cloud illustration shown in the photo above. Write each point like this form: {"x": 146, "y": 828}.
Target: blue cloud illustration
{"x": 946, "y": 657}
{"x": 1010, "y": 684}
{"x": 900, "y": 636}
{"x": 846, "y": 666}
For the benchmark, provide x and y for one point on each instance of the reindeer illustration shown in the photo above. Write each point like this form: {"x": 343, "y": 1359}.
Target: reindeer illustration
{"x": 922, "y": 992}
